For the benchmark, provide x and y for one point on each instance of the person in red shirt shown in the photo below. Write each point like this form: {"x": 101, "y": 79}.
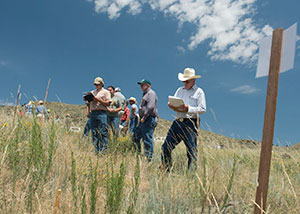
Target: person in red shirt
{"x": 125, "y": 119}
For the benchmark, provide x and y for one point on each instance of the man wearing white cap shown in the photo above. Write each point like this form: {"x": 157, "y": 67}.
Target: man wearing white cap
{"x": 184, "y": 127}
{"x": 97, "y": 112}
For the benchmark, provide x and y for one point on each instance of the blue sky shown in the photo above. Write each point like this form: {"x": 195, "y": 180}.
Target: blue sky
{"x": 123, "y": 41}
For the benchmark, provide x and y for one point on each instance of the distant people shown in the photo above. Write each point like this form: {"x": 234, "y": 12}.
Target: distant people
{"x": 184, "y": 127}
{"x": 113, "y": 111}
{"x": 97, "y": 111}
{"x": 124, "y": 124}
{"x": 28, "y": 108}
{"x": 56, "y": 119}
{"x": 148, "y": 114}
{"x": 48, "y": 115}
{"x": 68, "y": 121}
{"x": 123, "y": 100}
{"x": 134, "y": 114}
{"x": 41, "y": 110}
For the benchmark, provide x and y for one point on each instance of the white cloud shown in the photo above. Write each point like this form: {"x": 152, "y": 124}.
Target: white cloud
{"x": 3, "y": 63}
{"x": 245, "y": 89}
{"x": 181, "y": 49}
{"x": 113, "y": 7}
{"x": 227, "y": 24}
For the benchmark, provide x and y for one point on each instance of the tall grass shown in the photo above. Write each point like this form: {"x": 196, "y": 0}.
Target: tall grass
{"x": 39, "y": 157}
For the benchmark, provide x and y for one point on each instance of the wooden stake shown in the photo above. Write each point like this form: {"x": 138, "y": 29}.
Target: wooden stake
{"x": 46, "y": 94}
{"x": 57, "y": 201}
{"x": 17, "y": 103}
{"x": 269, "y": 122}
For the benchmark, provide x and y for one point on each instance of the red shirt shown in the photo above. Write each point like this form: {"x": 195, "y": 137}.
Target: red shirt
{"x": 126, "y": 113}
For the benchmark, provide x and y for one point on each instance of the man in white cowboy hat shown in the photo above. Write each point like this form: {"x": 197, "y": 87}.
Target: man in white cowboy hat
{"x": 134, "y": 114}
{"x": 97, "y": 112}
{"x": 184, "y": 127}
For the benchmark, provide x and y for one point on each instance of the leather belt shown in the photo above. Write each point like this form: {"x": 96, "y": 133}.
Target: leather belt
{"x": 98, "y": 110}
{"x": 187, "y": 119}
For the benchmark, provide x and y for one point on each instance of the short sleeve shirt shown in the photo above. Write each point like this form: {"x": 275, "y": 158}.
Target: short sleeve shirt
{"x": 116, "y": 102}
{"x": 100, "y": 94}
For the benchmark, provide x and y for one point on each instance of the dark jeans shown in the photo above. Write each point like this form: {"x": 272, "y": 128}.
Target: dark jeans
{"x": 145, "y": 131}
{"x": 113, "y": 122}
{"x": 185, "y": 131}
{"x": 99, "y": 130}
{"x": 87, "y": 128}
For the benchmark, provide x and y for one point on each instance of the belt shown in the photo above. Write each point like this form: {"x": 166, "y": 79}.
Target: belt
{"x": 98, "y": 110}
{"x": 187, "y": 119}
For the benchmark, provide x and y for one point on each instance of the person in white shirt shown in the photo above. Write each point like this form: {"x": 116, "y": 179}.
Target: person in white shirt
{"x": 184, "y": 127}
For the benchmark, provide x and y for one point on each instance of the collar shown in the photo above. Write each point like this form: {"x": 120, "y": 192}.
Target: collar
{"x": 146, "y": 91}
{"x": 192, "y": 88}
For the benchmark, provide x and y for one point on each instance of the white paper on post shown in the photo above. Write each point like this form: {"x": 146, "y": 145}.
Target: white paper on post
{"x": 175, "y": 101}
{"x": 287, "y": 52}
{"x": 263, "y": 65}
{"x": 288, "y": 48}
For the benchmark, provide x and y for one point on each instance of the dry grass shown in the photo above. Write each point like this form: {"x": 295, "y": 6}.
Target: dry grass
{"x": 27, "y": 188}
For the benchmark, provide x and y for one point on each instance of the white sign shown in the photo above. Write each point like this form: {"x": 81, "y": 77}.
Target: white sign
{"x": 288, "y": 50}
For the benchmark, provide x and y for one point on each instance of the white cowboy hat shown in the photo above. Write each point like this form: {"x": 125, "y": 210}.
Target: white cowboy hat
{"x": 132, "y": 99}
{"x": 189, "y": 73}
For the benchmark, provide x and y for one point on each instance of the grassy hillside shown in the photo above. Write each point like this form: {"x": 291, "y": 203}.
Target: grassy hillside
{"x": 77, "y": 117}
{"x": 39, "y": 157}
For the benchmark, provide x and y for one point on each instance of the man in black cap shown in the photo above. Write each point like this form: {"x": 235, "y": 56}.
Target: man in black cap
{"x": 148, "y": 115}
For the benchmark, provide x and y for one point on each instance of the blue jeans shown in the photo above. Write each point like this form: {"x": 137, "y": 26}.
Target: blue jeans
{"x": 185, "y": 131}
{"x": 87, "y": 127}
{"x": 113, "y": 122}
{"x": 145, "y": 131}
{"x": 133, "y": 123}
{"x": 99, "y": 130}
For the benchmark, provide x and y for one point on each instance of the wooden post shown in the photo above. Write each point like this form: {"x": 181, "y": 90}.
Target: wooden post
{"x": 46, "y": 95}
{"x": 269, "y": 122}
{"x": 17, "y": 104}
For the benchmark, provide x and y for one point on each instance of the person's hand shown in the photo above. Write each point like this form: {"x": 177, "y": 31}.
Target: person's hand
{"x": 142, "y": 120}
{"x": 182, "y": 108}
{"x": 88, "y": 114}
{"x": 110, "y": 110}
{"x": 171, "y": 106}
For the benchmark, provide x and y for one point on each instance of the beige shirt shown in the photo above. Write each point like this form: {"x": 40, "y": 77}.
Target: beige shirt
{"x": 102, "y": 94}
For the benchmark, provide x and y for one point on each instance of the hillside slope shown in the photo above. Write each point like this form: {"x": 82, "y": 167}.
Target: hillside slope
{"x": 75, "y": 115}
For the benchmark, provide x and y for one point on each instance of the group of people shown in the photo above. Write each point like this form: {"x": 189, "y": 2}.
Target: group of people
{"x": 108, "y": 107}
{"x": 39, "y": 109}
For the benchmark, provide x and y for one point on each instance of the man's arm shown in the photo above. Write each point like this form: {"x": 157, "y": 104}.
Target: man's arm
{"x": 133, "y": 111}
{"x": 201, "y": 104}
{"x": 150, "y": 106}
{"x": 88, "y": 110}
{"x": 103, "y": 102}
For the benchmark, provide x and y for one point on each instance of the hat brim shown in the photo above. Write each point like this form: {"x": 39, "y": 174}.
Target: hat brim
{"x": 132, "y": 100}
{"x": 182, "y": 78}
